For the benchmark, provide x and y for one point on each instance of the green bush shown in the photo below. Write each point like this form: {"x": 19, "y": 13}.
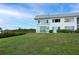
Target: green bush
{"x": 50, "y": 31}
{"x": 77, "y": 31}
{"x": 9, "y": 34}
{"x": 22, "y": 30}
{"x": 65, "y": 31}
{"x": 16, "y": 32}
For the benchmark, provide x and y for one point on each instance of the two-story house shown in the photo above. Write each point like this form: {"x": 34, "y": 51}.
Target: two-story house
{"x": 57, "y": 21}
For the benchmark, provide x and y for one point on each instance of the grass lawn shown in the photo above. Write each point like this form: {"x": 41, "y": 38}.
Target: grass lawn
{"x": 41, "y": 44}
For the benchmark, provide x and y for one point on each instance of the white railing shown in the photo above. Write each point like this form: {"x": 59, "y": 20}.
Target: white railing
{"x": 43, "y": 23}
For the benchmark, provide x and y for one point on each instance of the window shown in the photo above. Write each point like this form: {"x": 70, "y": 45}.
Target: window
{"x": 38, "y": 21}
{"x": 69, "y": 19}
{"x": 69, "y": 27}
{"x": 52, "y": 20}
{"x": 47, "y": 21}
{"x": 78, "y": 26}
{"x": 55, "y": 20}
{"x": 58, "y": 28}
{"x": 78, "y": 20}
{"x": 44, "y": 28}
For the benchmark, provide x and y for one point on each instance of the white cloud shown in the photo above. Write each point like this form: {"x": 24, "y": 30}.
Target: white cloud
{"x": 24, "y": 13}
{"x": 15, "y": 13}
{"x": 10, "y": 12}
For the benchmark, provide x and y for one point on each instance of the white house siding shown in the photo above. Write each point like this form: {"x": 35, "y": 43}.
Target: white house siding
{"x": 74, "y": 23}
{"x": 60, "y": 24}
{"x": 42, "y": 24}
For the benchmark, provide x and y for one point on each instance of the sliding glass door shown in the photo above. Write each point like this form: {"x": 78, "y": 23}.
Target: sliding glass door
{"x": 44, "y": 28}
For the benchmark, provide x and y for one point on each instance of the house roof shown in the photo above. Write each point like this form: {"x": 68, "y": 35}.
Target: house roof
{"x": 56, "y": 16}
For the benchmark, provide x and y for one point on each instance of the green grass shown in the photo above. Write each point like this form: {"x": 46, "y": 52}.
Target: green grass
{"x": 41, "y": 44}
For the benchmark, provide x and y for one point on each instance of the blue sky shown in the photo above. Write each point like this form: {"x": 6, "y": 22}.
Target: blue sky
{"x": 21, "y": 15}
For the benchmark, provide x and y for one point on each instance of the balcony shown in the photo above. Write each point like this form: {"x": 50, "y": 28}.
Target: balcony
{"x": 43, "y": 22}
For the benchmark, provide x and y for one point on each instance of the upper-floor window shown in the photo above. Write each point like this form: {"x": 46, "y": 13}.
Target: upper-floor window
{"x": 77, "y": 20}
{"x": 68, "y": 19}
{"x": 43, "y": 21}
{"x": 55, "y": 20}
{"x": 47, "y": 21}
{"x": 38, "y": 21}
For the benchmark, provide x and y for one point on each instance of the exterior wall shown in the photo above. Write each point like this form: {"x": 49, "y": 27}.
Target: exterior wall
{"x": 60, "y": 24}
{"x": 42, "y": 24}
{"x": 78, "y": 22}
{"x": 74, "y": 23}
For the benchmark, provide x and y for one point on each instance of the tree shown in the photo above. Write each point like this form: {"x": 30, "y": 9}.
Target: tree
{"x": 1, "y": 29}
{"x": 19, "y": 28}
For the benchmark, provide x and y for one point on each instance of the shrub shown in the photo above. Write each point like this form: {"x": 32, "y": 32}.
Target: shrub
{"x": 65, "y": 31}
{"x": 9, "y": 34}
{"x": 77, "y": 31}
{"x": 50, "y": 31}
{"x": 16, "y": 32}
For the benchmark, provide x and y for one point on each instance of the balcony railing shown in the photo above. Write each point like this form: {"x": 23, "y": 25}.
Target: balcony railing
{"x": 43, "y": 23}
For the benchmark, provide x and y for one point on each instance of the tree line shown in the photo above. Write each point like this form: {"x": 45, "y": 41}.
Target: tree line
{"x": 15, "y": 32}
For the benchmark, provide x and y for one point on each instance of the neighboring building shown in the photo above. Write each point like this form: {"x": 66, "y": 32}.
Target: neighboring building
{"x": 57, "y": 21}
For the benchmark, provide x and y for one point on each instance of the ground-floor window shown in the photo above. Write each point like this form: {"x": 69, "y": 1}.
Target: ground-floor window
{"x": 69, "y": 27}
{"x": 77, "y": 26}
{"x": 44, "y": 28}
